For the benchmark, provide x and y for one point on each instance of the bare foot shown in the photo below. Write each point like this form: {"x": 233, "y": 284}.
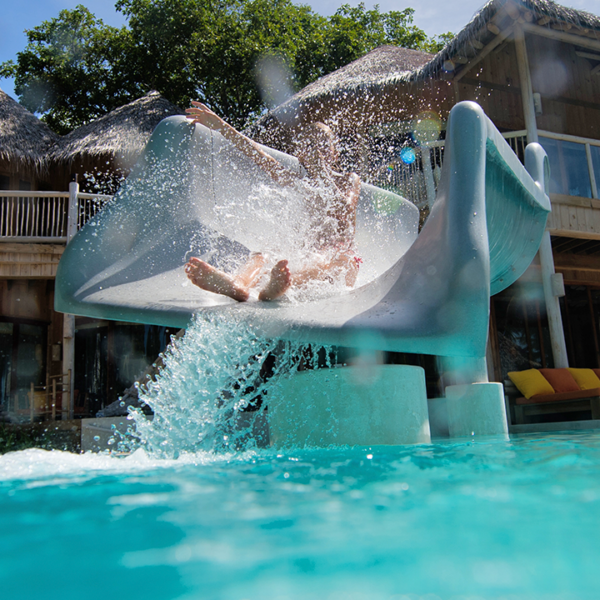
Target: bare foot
{"x": 279, "y": 283}
{"x": 208, "y": 278}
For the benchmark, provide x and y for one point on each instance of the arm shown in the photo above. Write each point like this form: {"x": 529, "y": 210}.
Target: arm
{"x": 354, "y": 189}
{"x": 203, "y": 115}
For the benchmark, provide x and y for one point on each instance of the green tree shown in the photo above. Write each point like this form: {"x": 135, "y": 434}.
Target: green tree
{"x": 69, "y": 70}
{"x": 75, "y": 68}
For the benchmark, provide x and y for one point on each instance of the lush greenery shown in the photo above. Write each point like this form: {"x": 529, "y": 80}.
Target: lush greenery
{"x": 14, "y": 437}
{"x": 75, "y": 68}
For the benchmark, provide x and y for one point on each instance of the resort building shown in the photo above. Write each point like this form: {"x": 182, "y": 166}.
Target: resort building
{"x": 534, "y": 67}
{"x": 53, "y": 365}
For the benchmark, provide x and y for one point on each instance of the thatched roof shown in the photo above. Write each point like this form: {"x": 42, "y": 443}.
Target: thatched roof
{"x": 24, "y": 139}
{"x": 375, "y": 68}
{"x": 121, "y": 134}
{"x": 500, "y": 14}
{"x": 389, "y": 66}
{"x": 379, "y": 67}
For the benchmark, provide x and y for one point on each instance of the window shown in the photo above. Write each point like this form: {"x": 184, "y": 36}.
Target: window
{"x": 111, "y": 356}
{"x": 22, "y": 363}
{"x": 521, "y": 328}
{"x": 581, "y": 314}
{"x": 569, "y": 172}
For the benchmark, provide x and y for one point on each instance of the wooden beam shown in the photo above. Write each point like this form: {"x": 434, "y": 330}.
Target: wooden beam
{"x": 588, "y": 55}
{"x": 562, "y": 26}
{"x": 486, "y": 50}
{"x": 579, "y": 262}
{"x": 526, "y": 87}
{"x": 561, "y": 36}
{"x": 512, "y": 10}
{"x": 573, "y": 233}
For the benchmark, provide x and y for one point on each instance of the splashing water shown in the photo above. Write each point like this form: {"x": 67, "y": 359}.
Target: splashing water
{"x": 210, "y": 395}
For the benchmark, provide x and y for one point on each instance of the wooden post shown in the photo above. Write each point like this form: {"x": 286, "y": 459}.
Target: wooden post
{"x": 428, "y": 175}
{"x": 31, "y": 403}
{"x": 73, "y": 210}
{"x": 70, "y": 395}
{"x": 557, "y": 334}
{"x": 68, "y": 363}
{"x": 54, "y": 399}
{"x": 47, "y": 392}
{"x": 526, "y": 88}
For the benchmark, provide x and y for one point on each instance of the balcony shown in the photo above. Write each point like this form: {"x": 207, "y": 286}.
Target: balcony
{"x": 574, "y": 182}
{"x": 45, "y": 217}
{"x": 35, "y": 228}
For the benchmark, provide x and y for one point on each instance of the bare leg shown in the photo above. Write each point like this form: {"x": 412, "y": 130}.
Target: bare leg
{"x": 208, "y": 278}
{"x": 343, "y": 263}
{"x": 279, "y": 283}
{"x": 250, "y": 273}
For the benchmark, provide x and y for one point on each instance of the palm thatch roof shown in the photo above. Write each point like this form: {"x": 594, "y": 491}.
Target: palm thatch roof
{"x": 120, "y": 135}
{"x": 24, "y": 139}
{"x": 379, "y": 66}
{"x": 390, "y": 66}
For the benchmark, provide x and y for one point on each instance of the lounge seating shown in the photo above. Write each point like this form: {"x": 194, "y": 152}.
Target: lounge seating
{"x": 555, "y": 391}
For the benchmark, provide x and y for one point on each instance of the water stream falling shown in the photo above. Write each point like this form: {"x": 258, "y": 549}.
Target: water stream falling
{"x": 212, "y": 393}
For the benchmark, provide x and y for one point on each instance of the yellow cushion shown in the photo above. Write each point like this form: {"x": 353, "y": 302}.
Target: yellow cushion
{"x": 531, "y": 383}
{"x": 586, "y": 378}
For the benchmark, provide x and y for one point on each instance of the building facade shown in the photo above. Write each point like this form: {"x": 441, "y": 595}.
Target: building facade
{"x": 54, "y": 365}
{"x": 534, "y": 67}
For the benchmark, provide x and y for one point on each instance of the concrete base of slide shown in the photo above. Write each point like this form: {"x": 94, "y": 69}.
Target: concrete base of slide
{"x": 356, "y": 406}
{"x": 476, "y": 409}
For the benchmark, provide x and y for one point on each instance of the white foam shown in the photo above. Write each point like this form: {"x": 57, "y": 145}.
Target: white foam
{"x": 52, "y": 467}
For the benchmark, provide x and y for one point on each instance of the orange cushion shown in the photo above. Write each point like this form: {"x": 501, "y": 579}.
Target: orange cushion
{"x": 561, "y": 380}
{"x": 586, "y": 378}
{"x": 531, "y": 383}
{"x": 564, "y": 397}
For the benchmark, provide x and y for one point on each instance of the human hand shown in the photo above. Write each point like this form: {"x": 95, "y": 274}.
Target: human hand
{"x": 199, "y": 113}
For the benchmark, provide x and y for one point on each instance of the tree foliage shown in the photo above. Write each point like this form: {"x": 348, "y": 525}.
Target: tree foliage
{"x": 75, "y": 68}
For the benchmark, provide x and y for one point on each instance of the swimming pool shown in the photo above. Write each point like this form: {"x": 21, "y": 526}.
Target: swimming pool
{"x": 516, "y": 519}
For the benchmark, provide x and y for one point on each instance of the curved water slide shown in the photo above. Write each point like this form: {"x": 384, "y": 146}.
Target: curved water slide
{"x": 188, "y": 196}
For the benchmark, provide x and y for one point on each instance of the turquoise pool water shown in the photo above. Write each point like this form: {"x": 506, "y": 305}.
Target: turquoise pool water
{"x": 469, "y": 521}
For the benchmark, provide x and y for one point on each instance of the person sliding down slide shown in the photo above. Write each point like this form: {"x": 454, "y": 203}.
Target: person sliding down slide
{"x": 330, "y": 199}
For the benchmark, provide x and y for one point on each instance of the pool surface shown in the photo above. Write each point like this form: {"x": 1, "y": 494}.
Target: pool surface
{"x": 469, "y": 521}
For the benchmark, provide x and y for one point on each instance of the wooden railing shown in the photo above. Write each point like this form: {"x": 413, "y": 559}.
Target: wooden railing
{"x": 27, "y": 216}
{"x": 39, "y": 215}
{"x": 588, "y": 167}
{"x": 418, "y": 180}
{"x": 88, "y": 205}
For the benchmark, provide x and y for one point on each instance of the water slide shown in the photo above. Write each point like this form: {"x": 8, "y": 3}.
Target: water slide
{"x": 193, "y": 194}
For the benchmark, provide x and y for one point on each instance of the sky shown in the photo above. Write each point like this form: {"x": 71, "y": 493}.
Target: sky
{"x": 433, "y": 16}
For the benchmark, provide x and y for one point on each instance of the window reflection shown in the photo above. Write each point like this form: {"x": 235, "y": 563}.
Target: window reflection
{"x": 595, "y": 150}
{"x": 569, "y": 173}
